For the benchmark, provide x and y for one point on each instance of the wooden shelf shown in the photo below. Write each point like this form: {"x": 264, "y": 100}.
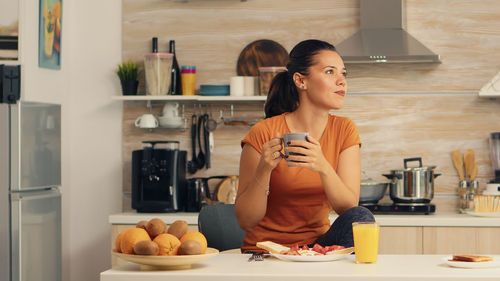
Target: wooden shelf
{"x": 10, "y": 62}
{"x": 191, "y": 98}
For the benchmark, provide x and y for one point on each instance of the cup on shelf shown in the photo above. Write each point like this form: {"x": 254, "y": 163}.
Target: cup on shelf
{"x": 188, "y": 79}
{"x": 251, "y": 85}
{"x": 146, "y": 121}
{"x": 171, "y": 110}
{"x": 237, "y": 86}
{"x": 171, "y": 122}
{"x": 243, "y": 85}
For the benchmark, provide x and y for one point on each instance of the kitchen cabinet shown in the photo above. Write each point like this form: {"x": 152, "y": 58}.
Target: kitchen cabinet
{"x": 395, "y": 240}
{"x": 435, "y": 240}
{"x": 463, "y": 240}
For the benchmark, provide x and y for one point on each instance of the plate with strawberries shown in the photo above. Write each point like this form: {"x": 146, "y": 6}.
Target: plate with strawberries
{"x": 304, "y": 253}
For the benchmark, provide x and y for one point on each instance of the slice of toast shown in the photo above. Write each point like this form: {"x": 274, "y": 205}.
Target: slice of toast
{"x": 272, "y": 247}
{"x": 472, "y": 258}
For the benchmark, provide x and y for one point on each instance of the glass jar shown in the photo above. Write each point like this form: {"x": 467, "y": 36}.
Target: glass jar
{"x": 158, "y": 70}
{"x": 266, "y": 75}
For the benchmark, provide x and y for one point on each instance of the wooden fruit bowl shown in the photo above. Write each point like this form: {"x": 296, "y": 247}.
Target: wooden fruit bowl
{"x": 167, "y": 262}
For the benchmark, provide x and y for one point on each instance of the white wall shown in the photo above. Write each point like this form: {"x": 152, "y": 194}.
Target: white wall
{"x": 95, "y": 135}
{"x": 91, "y": 124}
{"x": 39, "y": 84}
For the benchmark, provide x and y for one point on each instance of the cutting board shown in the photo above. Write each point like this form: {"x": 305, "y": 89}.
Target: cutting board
{"x": 263, "y": 52}
{"x": 226, "y": 191}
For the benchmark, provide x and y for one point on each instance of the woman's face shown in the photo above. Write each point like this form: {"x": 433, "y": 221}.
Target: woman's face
{"x": 326, "y": 83}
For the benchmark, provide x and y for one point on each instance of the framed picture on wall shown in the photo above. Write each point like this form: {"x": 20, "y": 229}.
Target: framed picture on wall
{"x": 49, "y": 34}
{"x": 9, "y": 30}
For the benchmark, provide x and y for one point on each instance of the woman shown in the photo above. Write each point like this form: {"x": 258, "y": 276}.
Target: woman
{"x": 289, "y": 205}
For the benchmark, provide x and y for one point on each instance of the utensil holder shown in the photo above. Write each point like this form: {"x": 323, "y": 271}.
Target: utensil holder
{"x": 472, "y": 190}
{"x": 467, "y": 190}
{"x": 462, "y": 196}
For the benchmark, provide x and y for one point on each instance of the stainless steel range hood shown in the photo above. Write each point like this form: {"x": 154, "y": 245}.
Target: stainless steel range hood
{"x": 382, "y": 37}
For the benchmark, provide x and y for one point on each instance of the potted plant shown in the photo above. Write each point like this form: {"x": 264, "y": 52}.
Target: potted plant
{"x": 127, "y": 72}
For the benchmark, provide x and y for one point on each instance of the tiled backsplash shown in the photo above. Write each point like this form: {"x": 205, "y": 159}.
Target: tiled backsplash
{"x": 392, "y": 127}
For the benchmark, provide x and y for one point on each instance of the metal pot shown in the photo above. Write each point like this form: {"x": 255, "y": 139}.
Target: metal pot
{"x": 371, "y": 192}
{"x": 412, "y": 184}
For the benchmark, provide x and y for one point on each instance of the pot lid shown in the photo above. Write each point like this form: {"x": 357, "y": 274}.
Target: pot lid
{"x": 424, "y": 168}
{"x": 418, "y": 168}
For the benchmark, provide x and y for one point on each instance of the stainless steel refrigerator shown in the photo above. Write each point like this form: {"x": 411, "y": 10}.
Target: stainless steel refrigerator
{"x": 30, "y": 180}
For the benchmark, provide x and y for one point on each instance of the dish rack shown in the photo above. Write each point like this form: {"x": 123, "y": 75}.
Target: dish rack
{"x": 233, "y": 120}
{"x": 487, "y": 204}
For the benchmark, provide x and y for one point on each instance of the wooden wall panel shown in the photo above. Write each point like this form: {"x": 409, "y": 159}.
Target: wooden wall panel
{"x": 466, "y": 33}
{"x": 211, "y": 34}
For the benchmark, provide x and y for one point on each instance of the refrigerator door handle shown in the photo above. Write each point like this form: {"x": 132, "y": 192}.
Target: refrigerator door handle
{"x": 17, "y": 196}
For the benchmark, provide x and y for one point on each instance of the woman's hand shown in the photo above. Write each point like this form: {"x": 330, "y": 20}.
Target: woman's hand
{"x": 271, "y": 155}
{"x": 312, "y": 156}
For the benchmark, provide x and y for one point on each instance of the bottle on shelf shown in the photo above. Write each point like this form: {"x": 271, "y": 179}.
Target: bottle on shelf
{"x": 154, "y": 48}
{"x": 175, "y": 86}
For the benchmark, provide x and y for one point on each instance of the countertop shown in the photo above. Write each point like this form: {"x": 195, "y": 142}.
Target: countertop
{"x": 436, "y": 219}
{"x": 236, "y": 267}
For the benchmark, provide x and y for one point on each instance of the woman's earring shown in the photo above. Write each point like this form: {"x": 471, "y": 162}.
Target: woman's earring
{"x": 303, "y": 87}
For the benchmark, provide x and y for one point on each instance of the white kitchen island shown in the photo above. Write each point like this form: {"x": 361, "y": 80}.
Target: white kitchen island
{"x": 434, "y": 234}
{"x": 229, "y": 267}
{"x": 435, "y": 219}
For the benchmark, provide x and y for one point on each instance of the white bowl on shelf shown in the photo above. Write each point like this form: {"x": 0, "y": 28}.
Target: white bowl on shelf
{"x": 171, "y": 123}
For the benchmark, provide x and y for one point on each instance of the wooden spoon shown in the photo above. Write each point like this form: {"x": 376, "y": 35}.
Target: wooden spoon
{"x": 469, "y": 162}
{"x": 473, "y": 174}
{"x": 458, "y": 163}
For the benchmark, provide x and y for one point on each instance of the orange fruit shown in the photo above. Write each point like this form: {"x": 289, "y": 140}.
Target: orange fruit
{"x": 131, "y": 237}
{"x": 196, "y": 236}
{"x": 168, "y": 244}
{"x": 118, "y": 241}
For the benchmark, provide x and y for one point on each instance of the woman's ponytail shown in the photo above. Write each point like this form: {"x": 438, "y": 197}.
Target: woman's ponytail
{"x": 283, "y": 96}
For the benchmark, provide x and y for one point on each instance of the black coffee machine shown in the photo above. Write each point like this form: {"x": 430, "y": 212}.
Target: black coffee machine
{"x": 159, "y": 177}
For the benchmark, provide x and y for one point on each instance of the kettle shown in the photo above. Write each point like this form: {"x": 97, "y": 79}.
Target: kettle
{"x": 198, "y": 193}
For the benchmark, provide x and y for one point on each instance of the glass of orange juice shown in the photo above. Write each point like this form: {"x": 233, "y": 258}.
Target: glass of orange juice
{"x": 366, "y": 236}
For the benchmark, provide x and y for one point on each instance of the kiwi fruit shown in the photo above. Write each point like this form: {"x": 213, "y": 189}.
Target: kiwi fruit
{"x": 146, "y": 247}
{"x": 190, "y": 247}
{"x": 178, "y": 228}
{"x": 156, "y": 227}
{"x": 142, "y": 224}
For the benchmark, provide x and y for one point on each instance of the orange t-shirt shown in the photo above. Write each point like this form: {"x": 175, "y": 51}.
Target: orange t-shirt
{"x": 297, "y": 207}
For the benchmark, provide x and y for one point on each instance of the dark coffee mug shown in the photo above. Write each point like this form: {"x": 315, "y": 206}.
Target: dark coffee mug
{"x": 289, "y": 137}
